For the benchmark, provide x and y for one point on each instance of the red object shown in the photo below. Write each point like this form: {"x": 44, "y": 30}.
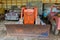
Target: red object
{"x": 55, "y": 18}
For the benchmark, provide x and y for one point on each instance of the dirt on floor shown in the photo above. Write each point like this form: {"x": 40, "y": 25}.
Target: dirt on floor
{"x": 5, "y": 36}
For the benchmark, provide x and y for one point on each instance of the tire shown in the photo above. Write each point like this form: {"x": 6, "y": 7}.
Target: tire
{"x": 56, "y": 32}
{"x": 54, "y": 28}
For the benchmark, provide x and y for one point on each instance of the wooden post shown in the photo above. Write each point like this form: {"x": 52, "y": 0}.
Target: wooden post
{"x": 16, "y": 2}
{"x": 1, "y": 3}
{"x": 44, "y": 1}
{"x": 11, "y": 2}
{"x": 6, "y": 4}
{"x": 21, "y": 2}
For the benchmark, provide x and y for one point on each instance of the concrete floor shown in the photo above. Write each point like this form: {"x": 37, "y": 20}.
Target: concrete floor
{"x": 4, "y": 36}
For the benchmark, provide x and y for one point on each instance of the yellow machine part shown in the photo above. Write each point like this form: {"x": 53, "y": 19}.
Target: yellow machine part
{"x": 2, "y": 11}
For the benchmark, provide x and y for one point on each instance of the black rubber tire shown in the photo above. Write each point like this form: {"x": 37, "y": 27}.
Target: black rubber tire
{"x": 54, "y": 28}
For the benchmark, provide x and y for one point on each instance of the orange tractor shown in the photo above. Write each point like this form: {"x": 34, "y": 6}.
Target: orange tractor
{"x": 30, "y": 15}
{"x": 54, "y": 18}
{"x": 29, "y": 25}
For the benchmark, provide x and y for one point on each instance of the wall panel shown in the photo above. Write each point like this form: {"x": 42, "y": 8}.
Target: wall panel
{"x": 58, "y": 1}
{"x": 23, "y": 2}
{"x": 51, "y": 1}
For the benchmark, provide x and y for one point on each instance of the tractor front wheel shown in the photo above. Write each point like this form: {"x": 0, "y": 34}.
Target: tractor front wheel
{"x": 54, "y": 28}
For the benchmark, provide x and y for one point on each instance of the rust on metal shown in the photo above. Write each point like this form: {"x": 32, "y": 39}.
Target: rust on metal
{"x": 26, "y": 30}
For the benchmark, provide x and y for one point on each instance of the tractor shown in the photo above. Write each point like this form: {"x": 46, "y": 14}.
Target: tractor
{"x": 54, "y": 18}
{"x": 28, "y": 25}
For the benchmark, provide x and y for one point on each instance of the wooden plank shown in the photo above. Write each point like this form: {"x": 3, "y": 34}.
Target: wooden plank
{"x": 58, "y": 1}
{"x": 46, "y": 1}
{"x": 9, "y": 2}
{"x": 51, "y": 1}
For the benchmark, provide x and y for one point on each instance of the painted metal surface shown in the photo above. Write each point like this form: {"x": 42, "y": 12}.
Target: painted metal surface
{"x": 28, "y": 30}
{"x": 54, "y": 17}
{"x": 58, "y": 24}
{"x": 30, "y": 15}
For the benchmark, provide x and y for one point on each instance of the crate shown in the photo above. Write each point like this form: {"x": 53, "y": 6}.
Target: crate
{"x": 28, "y": 30}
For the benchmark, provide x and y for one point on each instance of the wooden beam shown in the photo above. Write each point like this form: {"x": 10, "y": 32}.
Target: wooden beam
{"x": 56, "y": 1}
{"x": 49, "y": 1}
{"x": 16, "y": 2}
{"x": 44, "y": 1}
{"x": 11, "y": 2}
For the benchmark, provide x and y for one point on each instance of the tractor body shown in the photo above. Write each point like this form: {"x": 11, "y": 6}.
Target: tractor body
{"x": 29, "y": 25}
{"x": 54, "y": 19}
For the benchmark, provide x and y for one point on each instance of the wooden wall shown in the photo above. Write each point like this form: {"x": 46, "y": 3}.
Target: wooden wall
{"x": 9, "y": 3}
{"x": 51, "y": 1}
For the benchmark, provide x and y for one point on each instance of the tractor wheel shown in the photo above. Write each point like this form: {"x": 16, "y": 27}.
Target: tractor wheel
{"x": 54, "y": 28}
{"x": 56, "y": 32}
